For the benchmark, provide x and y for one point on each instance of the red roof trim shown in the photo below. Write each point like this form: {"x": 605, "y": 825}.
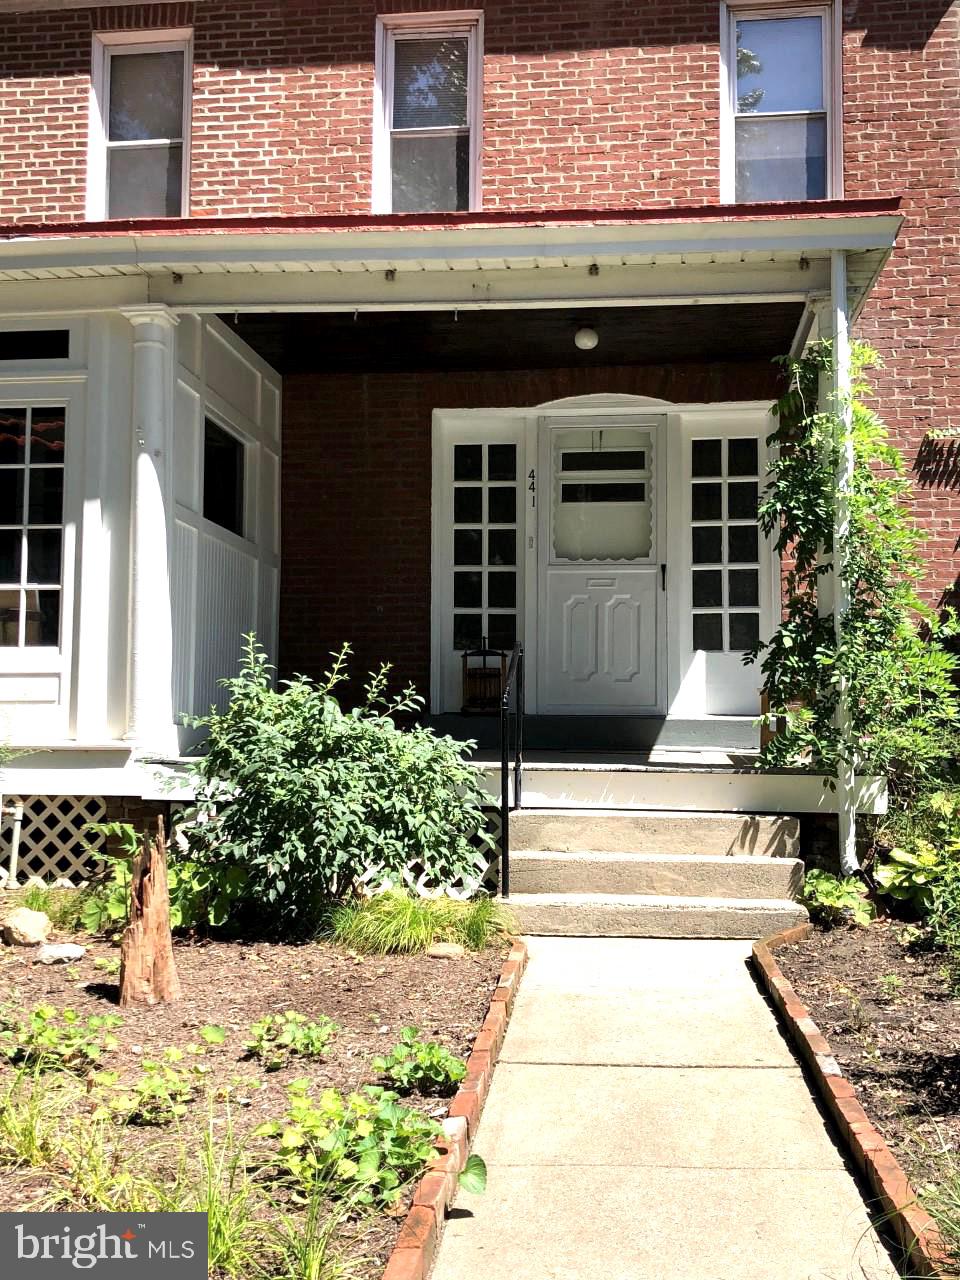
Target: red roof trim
{"x": 491, "y": 217}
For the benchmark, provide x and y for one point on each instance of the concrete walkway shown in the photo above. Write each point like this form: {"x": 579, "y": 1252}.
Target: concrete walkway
{"x": 648, "y": 1122}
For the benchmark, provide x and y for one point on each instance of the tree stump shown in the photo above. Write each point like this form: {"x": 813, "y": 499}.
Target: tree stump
{"x": 148, "y": 974}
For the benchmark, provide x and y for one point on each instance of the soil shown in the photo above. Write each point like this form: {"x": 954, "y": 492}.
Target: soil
{"x": 893, "y": 1025}
{"x": 231, "y": 985}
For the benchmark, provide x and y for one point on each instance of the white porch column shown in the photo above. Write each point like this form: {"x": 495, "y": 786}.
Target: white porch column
{"x": 150, "y": 695}
{"x": 840, "y": 317}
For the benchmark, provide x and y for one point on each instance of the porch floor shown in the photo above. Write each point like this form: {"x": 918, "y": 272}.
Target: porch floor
{"x": 607, "y": 738}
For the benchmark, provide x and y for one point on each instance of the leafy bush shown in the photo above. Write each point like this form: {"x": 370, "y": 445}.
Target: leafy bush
{"x": 400, "y": 922}
{"x": 306, "y": 799}
{"x": 910, "y": 877}
{"x": 280, "y": 1036}
{"x": 59, "y": 1040}
{"x": 899, "y": 677}
{"x": 420, "y": 1064}
{"x": 944, "y": 918}
{"x": 365, "y": 1146}
{"x": 833, "y": 901}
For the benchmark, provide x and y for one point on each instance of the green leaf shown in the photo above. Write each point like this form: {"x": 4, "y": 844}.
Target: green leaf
{"x": 473, "y": 1176}
{"x": 213, "y": 1034}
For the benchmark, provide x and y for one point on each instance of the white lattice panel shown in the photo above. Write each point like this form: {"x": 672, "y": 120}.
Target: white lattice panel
{"x": 483, "y": 873}
{"x": 54, "y": 848}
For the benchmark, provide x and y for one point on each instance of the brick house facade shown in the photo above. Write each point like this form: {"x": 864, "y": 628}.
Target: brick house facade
{"x": 603, "y": 131}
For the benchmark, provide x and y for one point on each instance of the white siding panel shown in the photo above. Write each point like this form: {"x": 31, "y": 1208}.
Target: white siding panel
{"x": 226, "y": 609}
{"x": 231, "y": 377}
{"x": 267, "y": 622}
{"x": 186, "y": 447}
{"x": 184, "y": 593}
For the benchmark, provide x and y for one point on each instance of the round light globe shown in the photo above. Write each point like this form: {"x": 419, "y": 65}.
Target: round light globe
{"x": 586, "y": 339}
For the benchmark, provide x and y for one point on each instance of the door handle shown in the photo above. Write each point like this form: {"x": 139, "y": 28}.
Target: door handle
{"x": 663, "y": 577}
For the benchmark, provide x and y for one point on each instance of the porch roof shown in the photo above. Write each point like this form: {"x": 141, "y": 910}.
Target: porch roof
{"x": 483, "y": 259}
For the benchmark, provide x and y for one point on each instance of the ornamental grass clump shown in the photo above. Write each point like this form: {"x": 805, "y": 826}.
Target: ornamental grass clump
{"x": 397, "y": 922}
{"x": 305, "y": 800}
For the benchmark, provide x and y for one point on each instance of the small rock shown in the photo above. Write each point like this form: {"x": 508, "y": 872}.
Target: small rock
{"x": 446, "y": 950}
{"x": 59, "y": 953}
{"x": 25, "y": 928}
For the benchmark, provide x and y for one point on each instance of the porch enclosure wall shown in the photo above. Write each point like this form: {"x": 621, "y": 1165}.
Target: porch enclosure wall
{"x": 357, "y": 501}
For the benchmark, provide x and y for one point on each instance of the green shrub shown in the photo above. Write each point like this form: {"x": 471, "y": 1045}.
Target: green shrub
{"x": 307, "y": 799}
{"x": 832, "y": 901}
{"x": 910, "y": 877}
{"x": 365, "y": 1146}
{"x": 278, "y": 1037}
{"x": 401, "y": 922}
{"x": 421, "y": 1064}
{"x": 48, "y": 1038}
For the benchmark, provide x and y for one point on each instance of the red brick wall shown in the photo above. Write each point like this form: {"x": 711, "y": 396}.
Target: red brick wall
{"x": 356, "y": 484}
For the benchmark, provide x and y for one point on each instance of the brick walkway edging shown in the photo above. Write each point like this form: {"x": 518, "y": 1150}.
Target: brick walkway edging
{"x": 913, "y": 1226}
{"x": 416, "y": 1245}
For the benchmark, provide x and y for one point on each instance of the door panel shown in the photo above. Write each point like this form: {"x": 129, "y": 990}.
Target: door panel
{"x": 600, "y": 590}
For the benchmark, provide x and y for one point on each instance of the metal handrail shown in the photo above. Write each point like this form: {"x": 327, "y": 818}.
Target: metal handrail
{"x": 513, "y": 680}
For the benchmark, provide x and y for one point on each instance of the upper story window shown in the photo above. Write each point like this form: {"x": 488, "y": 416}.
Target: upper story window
{"x": 139, "y": 125}
{"x": 428, "y": 112}
{"x": 782, "y": 104}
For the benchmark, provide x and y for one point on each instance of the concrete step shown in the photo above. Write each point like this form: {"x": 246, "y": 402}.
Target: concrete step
{"x": 680, "y": 875}
{"x": 663, "y": 832}
{"x": 608, "y": 915}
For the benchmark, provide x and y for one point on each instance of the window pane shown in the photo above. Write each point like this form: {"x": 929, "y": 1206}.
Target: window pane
{"x": 43, "y": 617}
{"x": 707, "y": 503}
{"x": 742, "y": 500}
{"x": 502, "y": 546}
{"x": 780, "y": 64}
{"x": 46, "y": 435}
{"x": 146, "y": 96}
{"x": 145, "y": 183}
{"x": 502, "y": 590}
{"x": 502, "y": 630}
{"x": 11, "y": 496}
{"x": 9, "y": 618}
{"x": 502, "y": 505}
{"x": 429, "y": 83}
{"x": 223, "y": 483}
{"x": 13, "y": 435}
{"x": 708, "y": 545}
{"x": 744, "y": 630}
{"x": 502, "y": 461}
{"x": 43, "y": 555}
{"x": 707, "y": 458}
{"x": 467, "y": 506}
{"x": 708, "y": 631}
{"x": 467, "y": 630}
{"x": 11, "y": 541}
{"x": 430, "y": 174}
{"x": 468, "y": 546}
{"x": 742, "y": 457}
{"x": 781, "y": 158}
{"x": 707, "y": 588}
{"x": 743, "y": 586}
{"x": 45, "y": 501}
{"x": 742, "y": 544}
{"x": 623, "y": 492}
{"x": 468, "y": 462}
{"x": 468, "y": 590}
{"x": 605, "y": 460}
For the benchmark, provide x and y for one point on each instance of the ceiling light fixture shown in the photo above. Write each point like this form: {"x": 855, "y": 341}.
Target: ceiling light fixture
{"x": 586, "y": 339}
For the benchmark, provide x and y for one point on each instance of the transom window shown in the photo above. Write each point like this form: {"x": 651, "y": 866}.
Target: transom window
{"x": 485, "y": 510}
{"x": 725, "y": 543}
{"x": 428, "y": 80}
{"x": 139, "y": 127}
{"x": 31, "y": 525}
{"x": 781, "y": 113}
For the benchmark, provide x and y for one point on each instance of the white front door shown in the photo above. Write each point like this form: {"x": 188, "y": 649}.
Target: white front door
{"x": 601, "y": 506}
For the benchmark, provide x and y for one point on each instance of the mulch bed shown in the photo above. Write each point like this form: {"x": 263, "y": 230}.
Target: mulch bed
{"x": 231, "y": 985}
{"x": 894, "y": 1027}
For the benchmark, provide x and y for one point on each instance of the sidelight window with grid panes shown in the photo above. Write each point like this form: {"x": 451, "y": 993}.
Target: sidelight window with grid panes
{"x": 485, "y": 550}
{"x": 725, "y": 543}
{"x": 31, "y": 525}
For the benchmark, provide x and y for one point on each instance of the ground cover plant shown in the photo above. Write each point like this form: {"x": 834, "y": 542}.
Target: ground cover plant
{"x": 166, "y": 1108}
{"x": 419, "y": 1064}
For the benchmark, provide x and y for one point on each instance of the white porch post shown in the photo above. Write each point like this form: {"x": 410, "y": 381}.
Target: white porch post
{"x": 840, "y": 316}
{"x": 150, "y": 697}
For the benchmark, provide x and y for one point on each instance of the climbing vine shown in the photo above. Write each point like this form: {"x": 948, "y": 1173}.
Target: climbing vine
{"x": 899, "y": 676}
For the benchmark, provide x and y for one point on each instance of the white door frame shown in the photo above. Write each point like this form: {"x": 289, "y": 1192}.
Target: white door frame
{"x": 522, "y": 424}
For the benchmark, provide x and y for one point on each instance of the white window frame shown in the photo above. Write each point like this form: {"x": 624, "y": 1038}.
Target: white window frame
{"x": 732, "y": 11}
{"x": 106, "y": 46}
{"x": 424, "y": 26}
